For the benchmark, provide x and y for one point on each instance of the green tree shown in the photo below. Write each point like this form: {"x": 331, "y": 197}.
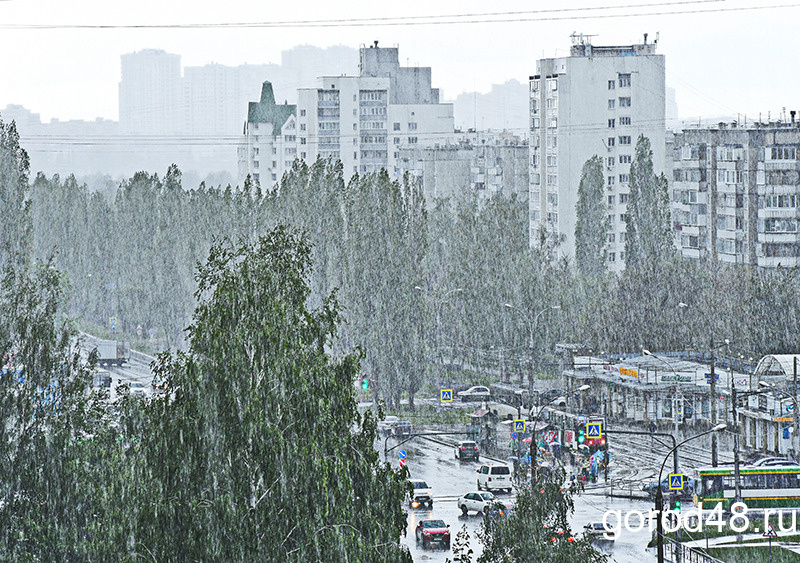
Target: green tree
{"x": 591, "y": 224}
{"x": 15, "y": 225}
{"x": 537, "y": 530}
{"x": 258, "y": 450}
{"x": 648, "y": 241}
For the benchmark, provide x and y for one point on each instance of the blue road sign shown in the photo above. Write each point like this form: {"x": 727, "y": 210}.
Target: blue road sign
{"x": 675, "y": 481}
{"x": 446, "y": 395}
{"x": 581, "y": 419}
{"x": 402, "y": 454}
{"x": 519, "y": 426}
{"x": 514, "y": 435}
{"x": 790, "y": 407}
{"x": 593, "y": 430}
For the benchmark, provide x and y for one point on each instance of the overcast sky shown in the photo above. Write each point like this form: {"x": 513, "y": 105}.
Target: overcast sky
{"x": 728, "y": 57}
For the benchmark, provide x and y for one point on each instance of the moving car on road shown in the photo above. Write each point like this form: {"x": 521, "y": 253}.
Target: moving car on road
{"x": 403, "y": 428}
{"x": 467, "y": 449}
{"x": 475, "y": 501}
{"x": 477, "y": 393}
{"x": 422, "y": 494}
{"x": 433, "y": 532}
{"x": 386, "y": 426}
{"x": 598, "y": 531}
{"x": 494, "y": 477}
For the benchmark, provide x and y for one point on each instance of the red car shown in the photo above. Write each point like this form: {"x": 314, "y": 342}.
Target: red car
{"x": 433, "y": 532}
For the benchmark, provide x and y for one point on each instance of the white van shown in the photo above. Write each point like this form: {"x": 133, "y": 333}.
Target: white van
{"x": 494, "y": 477}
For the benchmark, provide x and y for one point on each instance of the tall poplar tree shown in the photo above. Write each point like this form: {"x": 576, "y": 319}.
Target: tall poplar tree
{"x": 591, "y": 225}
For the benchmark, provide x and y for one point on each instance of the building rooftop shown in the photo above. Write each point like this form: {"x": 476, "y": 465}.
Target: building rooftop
{"x": 267, "y": 111}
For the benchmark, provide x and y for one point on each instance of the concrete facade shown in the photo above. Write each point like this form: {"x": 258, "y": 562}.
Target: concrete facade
{"x": 735, "y": 193}
{"x": 366, "y": 120}
{"x": 597, "y": 101}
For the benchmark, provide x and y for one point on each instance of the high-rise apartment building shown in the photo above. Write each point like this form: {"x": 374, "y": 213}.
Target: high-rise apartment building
{"x": 150, "y": 93}
{"x": 597, "y": 101}
{"x": 365, "y": 120}
{"x": 269, "y": 146}
{"x": 735, "y": 193}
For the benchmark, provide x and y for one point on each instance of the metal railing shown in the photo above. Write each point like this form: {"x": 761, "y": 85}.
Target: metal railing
{"x": 677, "y": 552}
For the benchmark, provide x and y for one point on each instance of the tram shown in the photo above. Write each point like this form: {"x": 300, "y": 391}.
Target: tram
{"x": 760, "y": 487}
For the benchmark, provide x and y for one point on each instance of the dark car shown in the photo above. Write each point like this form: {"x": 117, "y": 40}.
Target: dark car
{"x": 467, "y": 449}
{"x": 433, "y": 533}
{"x": 403, "y": 428}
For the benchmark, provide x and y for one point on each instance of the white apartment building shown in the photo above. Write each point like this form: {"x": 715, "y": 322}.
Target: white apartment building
{"x": 269, "y": 146}
{"x": 597, "y": 101}
{"x": 365, "y": 120}
{"x": 150, "y": 93}
{"x": 736, "y": 193}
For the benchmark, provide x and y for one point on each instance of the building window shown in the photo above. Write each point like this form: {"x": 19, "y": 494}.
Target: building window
{"x": 552, "y": 179}
{"x": 623, "y": 198}
{"x": 255, "y": 150}
{"x": 355, "y": 155}
{"x": 623, "y": 217}
{"x": 625, "y": 140}
{"x": 274, "y": 163}
{"x": 611, "y": 84}
{"x": 611, "y": 180}
{"x": 396, "y": 127}
{"x": 624, "y": 159}
{"x": 611, "y": 141}
{"x": 621, "y": 256}
{"x": 412, "y": 140}
{"x": 624, "y": 80}
{"x": 611, "y": 123}
{"x": 612, "y": 257}
{"x": 610, "y": 161}
{"x": 302, "y": 127}
{"x": 776, "y": 225}
{"x": 302, "y": 155}
{"x": 552, "y": 103}
{"x": 552, "y": 160}
{"x": 784, "y": 153}
{"x": 274, "y": 150}
{"x": 552, "y": 123}
{"x": 535, "y": 85}
{"x": 612, "y": 237}
{"x": 412, "y": 126}
{"x": 397, "y": 140}
{"x": 302, "y": 140}
{"x": 552, "y": 84}
{"x": 355, "y": 127}
{"x": 622, "y": 237}
{"x": 624, "y": 178}
{"x": 611, "y": 200}
{"x": 302, "y": 113}
{"x": 274, "y": 177}
{"x": 624, "y": 102}
{"x": 611, "y": 219}
{"x": 612, "y": 104}
{"x": 624, "y": 120}
{"x": 255, "y": 164}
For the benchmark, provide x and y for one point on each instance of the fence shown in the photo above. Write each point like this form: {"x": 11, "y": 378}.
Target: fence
{"x": 676, "y": 552}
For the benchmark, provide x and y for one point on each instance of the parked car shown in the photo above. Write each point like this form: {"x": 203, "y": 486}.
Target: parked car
{"x": 433, "y": 532}
{"x": 476, "y": 502}
{"x": 494, "y": 477}
{"x": 467, "y": 449}
{"x": 499, "y": 508}
{"x": 773, "y": 462}
{"x": 403, "y": 428}
{"x": 422, "y": 494}
{"x": 598, "y": 531}
{"x": 386, "y": 426}
{"x": 476, "y": 393}
{"x": 687, "y": 491}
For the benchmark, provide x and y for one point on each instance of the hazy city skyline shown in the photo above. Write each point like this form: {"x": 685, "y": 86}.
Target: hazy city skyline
{"x": 63, "y": 60}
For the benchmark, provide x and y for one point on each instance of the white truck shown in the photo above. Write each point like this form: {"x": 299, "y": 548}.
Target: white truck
{"x": 113, "y": 352}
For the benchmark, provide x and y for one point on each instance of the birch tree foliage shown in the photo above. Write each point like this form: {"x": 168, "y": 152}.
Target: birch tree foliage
{"x": 258, "y": 449}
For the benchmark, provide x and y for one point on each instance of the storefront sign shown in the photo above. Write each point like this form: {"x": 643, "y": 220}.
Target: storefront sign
{"x": 628, "y": 371}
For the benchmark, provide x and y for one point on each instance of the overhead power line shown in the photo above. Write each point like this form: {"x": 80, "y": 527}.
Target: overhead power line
{"x": 586, "y": 13}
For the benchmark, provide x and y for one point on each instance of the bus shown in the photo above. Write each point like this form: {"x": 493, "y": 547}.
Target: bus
{"x": 761, "y": 487}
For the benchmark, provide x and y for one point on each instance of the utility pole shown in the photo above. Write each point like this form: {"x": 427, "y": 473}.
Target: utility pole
{"x": 713, "y": 408}
{"x": 737, "y": 477}
{"x": 796, "y": 436}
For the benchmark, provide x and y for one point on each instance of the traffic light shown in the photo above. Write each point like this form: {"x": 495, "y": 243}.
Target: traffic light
{"x": 365, "y": 383}
{"x": 581, "y": 435}
{"x": 676, "y": 505}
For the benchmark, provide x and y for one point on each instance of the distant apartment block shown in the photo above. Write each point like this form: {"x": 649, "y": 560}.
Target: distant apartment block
{"x": 270, "y": 141}
{"x": 481, "y": 164}
{"x": 736, "y": 193}
{"x": 597, "y": 101}
{"x": 150, "y": 93}
{"x": 366, "y": 120}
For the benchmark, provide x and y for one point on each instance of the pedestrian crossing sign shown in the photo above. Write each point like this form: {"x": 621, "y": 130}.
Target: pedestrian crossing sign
{"x": 519, "y": 426}
{"x": 593, "y": 430}
{"x": 446, "y": 395}
{"x": 675, "y": 482}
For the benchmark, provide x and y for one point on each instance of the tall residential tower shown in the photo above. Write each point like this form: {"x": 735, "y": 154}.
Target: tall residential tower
{"x": 597, "y": 101}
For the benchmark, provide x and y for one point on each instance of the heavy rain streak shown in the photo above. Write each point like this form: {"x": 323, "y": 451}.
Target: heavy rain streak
{"x": 407, "y": 347}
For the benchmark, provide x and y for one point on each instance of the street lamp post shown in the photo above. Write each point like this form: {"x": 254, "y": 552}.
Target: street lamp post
{"x": 531, "y": 325}
{"x": 534, "y": 440}
{"x": 660, "y": 497}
